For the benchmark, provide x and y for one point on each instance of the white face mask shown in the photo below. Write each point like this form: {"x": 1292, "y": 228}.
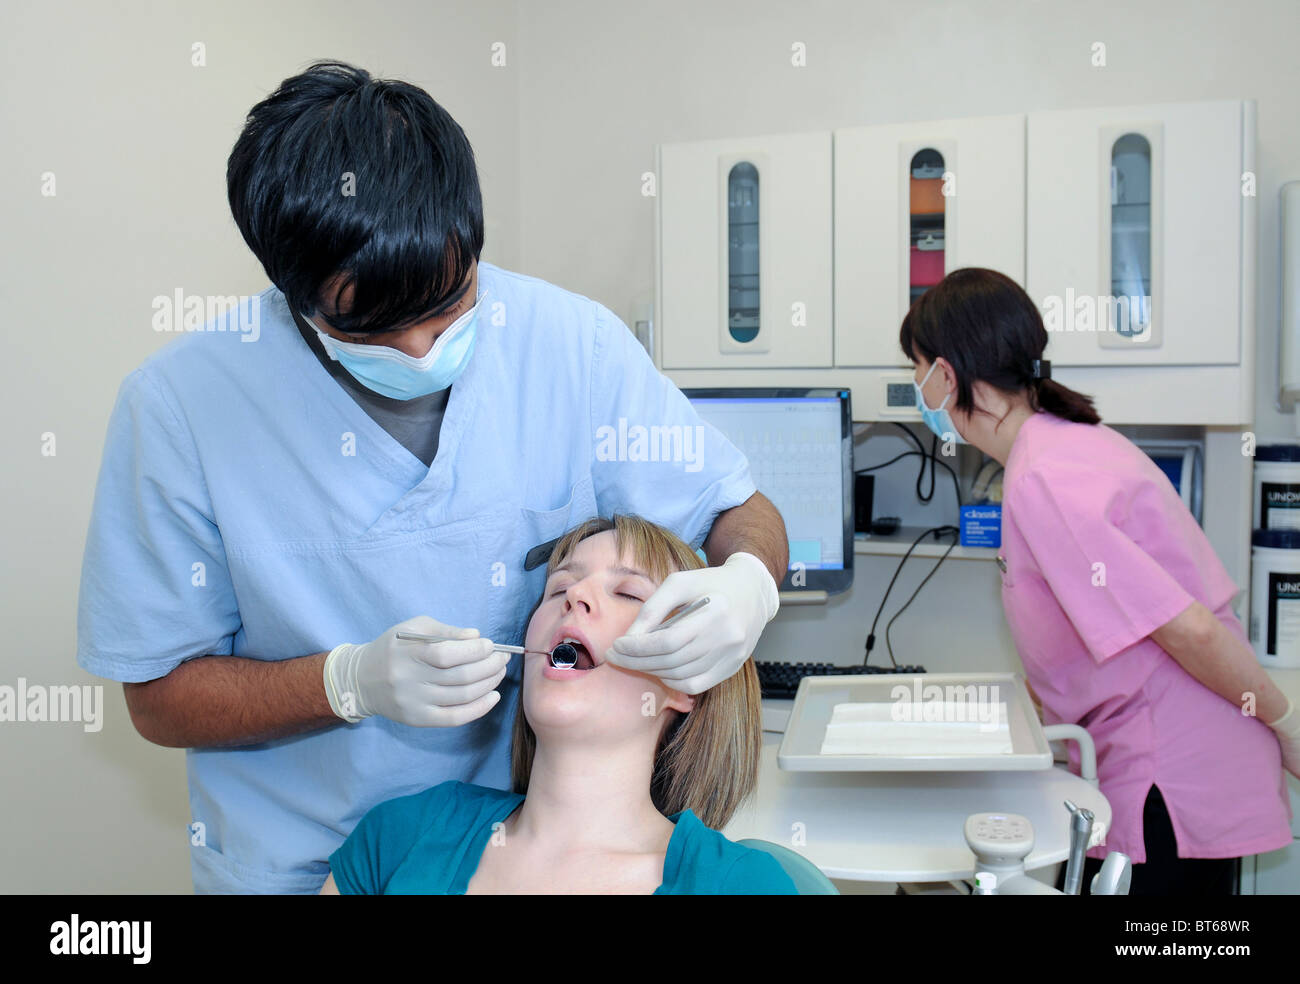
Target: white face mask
{"x": 392, "y": 373}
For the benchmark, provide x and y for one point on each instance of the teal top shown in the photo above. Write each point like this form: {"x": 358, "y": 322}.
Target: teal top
{"x": 430, "y": 843}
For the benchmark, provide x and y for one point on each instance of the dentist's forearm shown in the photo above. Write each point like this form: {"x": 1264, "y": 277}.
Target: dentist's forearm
{"x": 227, "y": 701}
{"x": 1203, "y": 646}
{"x": 755, "y": 526}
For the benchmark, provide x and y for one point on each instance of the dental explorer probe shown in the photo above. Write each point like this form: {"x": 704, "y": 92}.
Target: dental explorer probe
{"x": 694, "y": 606}
{"x": 569, "y": 656}
{"x": 672, "y": 620}
{"x": 565, "y": 656}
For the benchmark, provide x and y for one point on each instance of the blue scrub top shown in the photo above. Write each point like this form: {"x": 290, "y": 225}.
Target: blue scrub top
{"x": 248, "y": 506}
{"x": 431, "y": 844}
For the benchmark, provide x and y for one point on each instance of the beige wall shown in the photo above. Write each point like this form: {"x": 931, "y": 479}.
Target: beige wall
{"x": 106, "y": 98}
{"x": 138, "y": 140}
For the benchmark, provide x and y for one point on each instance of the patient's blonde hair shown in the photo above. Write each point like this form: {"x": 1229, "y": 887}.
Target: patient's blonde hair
{"x": 707, "y": 759}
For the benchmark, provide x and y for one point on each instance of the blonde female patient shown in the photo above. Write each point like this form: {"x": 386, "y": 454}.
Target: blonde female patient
{"x": 620, "y": 784}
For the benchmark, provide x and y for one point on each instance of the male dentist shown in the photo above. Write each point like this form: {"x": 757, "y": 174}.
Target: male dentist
{"x": 404, "y": 431}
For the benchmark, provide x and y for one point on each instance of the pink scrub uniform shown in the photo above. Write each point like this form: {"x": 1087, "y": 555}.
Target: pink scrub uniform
{"x": 1099, "y": 553}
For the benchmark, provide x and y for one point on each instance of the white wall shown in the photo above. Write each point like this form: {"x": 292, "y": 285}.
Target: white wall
{"x": 106, "y": 98}
{"x": 606, "y": 82}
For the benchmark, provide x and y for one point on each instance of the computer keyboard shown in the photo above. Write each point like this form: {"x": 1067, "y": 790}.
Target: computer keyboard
{"x": 781, "y": 680}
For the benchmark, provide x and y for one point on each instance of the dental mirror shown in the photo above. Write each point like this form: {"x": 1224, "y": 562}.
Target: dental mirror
{"x": 564, "y": 655}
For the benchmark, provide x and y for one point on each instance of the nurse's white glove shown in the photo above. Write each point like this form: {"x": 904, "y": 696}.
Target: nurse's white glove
{"x": 1287, "y": 729}
{"x": 423, "y": 684}
{"x": 709, "y": 645}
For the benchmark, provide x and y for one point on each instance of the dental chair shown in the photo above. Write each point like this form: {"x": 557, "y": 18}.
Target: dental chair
{"x": 807, "y": 877}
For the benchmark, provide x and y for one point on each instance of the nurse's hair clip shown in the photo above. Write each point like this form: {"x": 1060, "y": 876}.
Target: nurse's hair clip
{"x": 1042, "y": 369}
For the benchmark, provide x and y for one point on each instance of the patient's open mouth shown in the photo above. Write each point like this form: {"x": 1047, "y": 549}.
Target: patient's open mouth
{"x": 571, "y": 653}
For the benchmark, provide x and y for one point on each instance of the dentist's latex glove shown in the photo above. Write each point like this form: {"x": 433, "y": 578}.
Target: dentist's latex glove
{"x": 424, "y": 684}
{"x": 709, "y": 645}
{"x": 1287, "y": 729}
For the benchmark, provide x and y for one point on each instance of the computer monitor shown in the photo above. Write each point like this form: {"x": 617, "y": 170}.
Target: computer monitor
{"x": 1182, "y": 464}
{"x": 799, "y": 442}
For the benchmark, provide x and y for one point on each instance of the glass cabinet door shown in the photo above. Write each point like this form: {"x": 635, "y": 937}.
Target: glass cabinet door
{"x": 927, "y": 210}
{"x": 742, "y": 252}
{"x": 1130, "y": 234}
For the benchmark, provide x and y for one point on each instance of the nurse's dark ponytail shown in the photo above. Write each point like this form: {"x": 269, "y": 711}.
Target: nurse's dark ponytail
{"x": 984, "y": 323}
{"x": 1063, "y": 402}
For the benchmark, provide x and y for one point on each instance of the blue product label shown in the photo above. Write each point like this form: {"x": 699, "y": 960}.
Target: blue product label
{"x": 981, "y": 526}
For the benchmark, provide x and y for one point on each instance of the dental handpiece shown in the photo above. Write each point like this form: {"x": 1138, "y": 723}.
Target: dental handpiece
{"x": 565, "y": 656}
{"x": 1081, "y": 821}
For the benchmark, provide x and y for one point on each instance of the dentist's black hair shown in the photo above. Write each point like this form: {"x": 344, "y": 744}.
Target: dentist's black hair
{"x": 984, "y": 323}
{"x": 406, "y": 237}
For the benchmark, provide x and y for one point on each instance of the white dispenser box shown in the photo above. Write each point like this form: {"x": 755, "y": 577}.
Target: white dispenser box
{"x": 1275, "y": 597}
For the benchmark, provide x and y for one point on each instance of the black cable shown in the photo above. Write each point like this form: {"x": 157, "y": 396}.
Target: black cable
{"x": 871, "y": 636}
{"x": 956, "y": 486}
{"x": 920, "y": 476}
{"x": 939, "y": 532}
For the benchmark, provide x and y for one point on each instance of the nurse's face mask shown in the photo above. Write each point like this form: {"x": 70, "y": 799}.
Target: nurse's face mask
{"x": 393, "y": 373}
{"x": 938, "y": 420}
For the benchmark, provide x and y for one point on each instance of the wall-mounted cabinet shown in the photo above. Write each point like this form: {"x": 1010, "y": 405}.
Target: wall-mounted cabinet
{"x": 913, "y": 202}
{"x": 1132, "y": 228}
{"x": 745, "y": 253}
{"x": 1137, "y": 219}
{"x": 1137, "y": 232}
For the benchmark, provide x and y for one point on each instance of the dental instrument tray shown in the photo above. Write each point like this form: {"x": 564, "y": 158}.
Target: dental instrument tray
{"x": 933, "y": 722}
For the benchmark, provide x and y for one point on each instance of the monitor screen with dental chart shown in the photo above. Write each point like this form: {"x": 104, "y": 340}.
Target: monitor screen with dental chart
{"x": 799, "y": 442}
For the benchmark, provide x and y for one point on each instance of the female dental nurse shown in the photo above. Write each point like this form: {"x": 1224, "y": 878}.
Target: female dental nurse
{"x": 1118, "y": 605}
